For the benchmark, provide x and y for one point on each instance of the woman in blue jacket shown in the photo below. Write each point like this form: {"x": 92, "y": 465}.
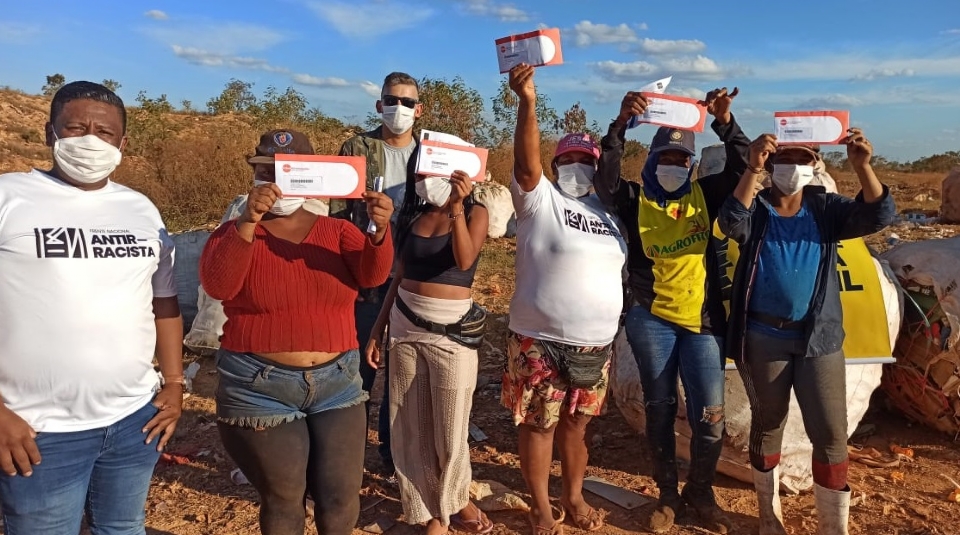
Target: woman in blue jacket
{"x": 786, "y": 324}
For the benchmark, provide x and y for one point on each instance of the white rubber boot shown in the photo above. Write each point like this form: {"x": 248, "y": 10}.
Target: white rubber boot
{"x": 767, "y": 485}
{"x": 833, "y": 510}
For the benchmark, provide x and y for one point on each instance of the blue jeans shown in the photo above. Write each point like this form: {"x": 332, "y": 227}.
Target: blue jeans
{"x": 105, "y": 472}
{"x": 255, "y": 392}
{"x": 365, "y": 314}
{"x": 663, "y": 351}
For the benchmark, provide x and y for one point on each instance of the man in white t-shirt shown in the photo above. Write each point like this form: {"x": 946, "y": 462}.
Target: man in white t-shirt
{"x": 565, "y": 311}
{"x": 87, "y": 298}
{"x": 389, "y": 150}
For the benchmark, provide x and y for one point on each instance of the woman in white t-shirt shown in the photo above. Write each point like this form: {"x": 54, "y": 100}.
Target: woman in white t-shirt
{"x": 564, "y": 314}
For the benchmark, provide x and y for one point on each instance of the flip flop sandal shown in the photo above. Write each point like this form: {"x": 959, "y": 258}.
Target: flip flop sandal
{"x": 591, "y": 521}
{"x": 479, "y": 525}
{"x": 555, "y": 529}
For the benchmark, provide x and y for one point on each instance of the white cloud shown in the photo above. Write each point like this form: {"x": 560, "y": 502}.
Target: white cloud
{"x": 690, "y": 92}
{"x": 839, "y": 67}
{"x": 17, "y": 33}
{"x": 586, "y": 33}
{"x": 635, "y": 71}
{"x": 369, "y": 19}
{"x": 697, "y": 68}
{"x": 156, "y": 14}
{"x": 834, "y": 101}
{"x": 226, "y": 38}
{"x": 873, "y": 74}
{"x": 659, "y": 47}
{"x": 207, "y": 58}
{"x": 316, "y": 81}
{"x": 625, "y": 72}
{"x": 954, "y": 31}
{"x": 370, "y": 88}
{"x": 502, "y": 12}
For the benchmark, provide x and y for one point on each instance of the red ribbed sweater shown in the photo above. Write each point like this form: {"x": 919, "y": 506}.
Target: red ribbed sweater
{"x": 280, "y": 296}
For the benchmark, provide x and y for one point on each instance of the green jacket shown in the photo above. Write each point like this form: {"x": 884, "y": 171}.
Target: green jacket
{"x": 370, "y": 146}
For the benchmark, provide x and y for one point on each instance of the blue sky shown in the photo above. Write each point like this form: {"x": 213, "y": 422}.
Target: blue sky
{"x": 895, "y": 66}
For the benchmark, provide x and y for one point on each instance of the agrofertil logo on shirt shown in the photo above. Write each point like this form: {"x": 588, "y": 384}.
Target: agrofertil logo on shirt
{"x": 70, "y": 242}
{"x": 697, "y": 232}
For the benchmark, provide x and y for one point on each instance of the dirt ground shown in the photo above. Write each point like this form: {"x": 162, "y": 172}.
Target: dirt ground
{"x": 199, "y": 497}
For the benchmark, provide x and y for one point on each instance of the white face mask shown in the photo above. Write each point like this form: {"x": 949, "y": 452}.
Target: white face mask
{"x": 434, "y": 189}
{"x": 575, "y": 179}
{"x": 284, "y": 206}
{"x": 86, "y": 159}
{"x": 672, "y": 177}
{"x": 791, "y": 178}
{"x": 398, "y": 119}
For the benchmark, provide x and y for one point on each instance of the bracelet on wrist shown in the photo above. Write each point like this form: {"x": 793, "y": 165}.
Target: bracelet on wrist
{"x": 454, "y": 216}
{"x": 174, "y": 380}
{"x": 755, "y": 170}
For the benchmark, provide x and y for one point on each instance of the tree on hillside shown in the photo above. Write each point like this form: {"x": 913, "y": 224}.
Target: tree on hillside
{"x": 278, "y": 109}
{"x": 151, "y": 127}
{"x": 937, "y": 163}
{"x": 237, "y": 96}
{"x": 455, "y": 108}
{"x": 575, "y": 121}
{"x": 111, "y": 84}
{"x": 187, "y": 107}
{"x": 505, "y": 114}
{"x": 54, "y": 83}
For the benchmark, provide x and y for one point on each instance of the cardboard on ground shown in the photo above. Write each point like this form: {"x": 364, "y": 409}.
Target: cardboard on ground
{"x": 613, "y": 493}
{"x": 537, "y": 48}
{"x": 813, "y": 127}
{"x": 673, "y": 111}
{"x": 335, "y": 177}
{"x": 441, "y": 154}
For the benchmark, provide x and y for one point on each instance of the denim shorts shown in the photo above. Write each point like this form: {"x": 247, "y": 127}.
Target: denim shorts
{"x": 256, "y": 392}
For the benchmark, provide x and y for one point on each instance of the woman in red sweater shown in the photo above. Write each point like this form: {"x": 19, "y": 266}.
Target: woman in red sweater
{"x": 290, "y": 403}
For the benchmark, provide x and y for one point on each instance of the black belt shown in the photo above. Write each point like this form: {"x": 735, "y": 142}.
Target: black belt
{"x": 778, "y": 323}
{"x": 427, "y": 325}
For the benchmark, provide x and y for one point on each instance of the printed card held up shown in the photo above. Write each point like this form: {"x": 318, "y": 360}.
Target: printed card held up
{"x": 537, "y": 48}
{"x": 335, "y": 177}
{"x": 811, "y": 127}
{"x": 673, "y": 111}
{"x": 441, "y": 154}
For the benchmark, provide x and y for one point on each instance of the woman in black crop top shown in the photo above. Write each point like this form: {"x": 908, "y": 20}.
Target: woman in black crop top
{"x": 431, "y": 376}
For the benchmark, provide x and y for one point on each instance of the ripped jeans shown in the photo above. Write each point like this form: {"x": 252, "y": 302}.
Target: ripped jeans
{"x": 663, "y": 351}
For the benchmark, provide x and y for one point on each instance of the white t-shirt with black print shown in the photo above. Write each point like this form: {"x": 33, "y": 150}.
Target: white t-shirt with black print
{"x": 570, "y": 254}
{"x": 80, "y": 270}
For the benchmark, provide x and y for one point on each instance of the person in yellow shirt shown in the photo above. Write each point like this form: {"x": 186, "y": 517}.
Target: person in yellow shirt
{"x": 677, "y": 322}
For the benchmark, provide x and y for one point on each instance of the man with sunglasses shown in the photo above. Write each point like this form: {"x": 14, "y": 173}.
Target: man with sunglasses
{"x": 388, "y": 149}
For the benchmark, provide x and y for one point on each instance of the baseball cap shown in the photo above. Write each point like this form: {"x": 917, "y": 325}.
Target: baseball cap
{"x": 813, "y": 150}
{"x": 283, "y": 142}
{"x": 668, "y": 138}
{"x": 577, "y": 143}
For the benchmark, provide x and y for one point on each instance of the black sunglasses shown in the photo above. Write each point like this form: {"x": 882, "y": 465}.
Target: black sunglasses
{"x": 393, "y": 100}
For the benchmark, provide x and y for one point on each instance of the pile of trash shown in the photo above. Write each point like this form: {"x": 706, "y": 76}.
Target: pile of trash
{"x": 924, "y": 383}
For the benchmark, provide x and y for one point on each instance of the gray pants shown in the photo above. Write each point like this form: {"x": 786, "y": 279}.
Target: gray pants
{"x": 775, "y": 365}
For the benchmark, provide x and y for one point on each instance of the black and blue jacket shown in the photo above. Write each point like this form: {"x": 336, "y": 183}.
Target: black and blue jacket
{"x": 838, "y": 218}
